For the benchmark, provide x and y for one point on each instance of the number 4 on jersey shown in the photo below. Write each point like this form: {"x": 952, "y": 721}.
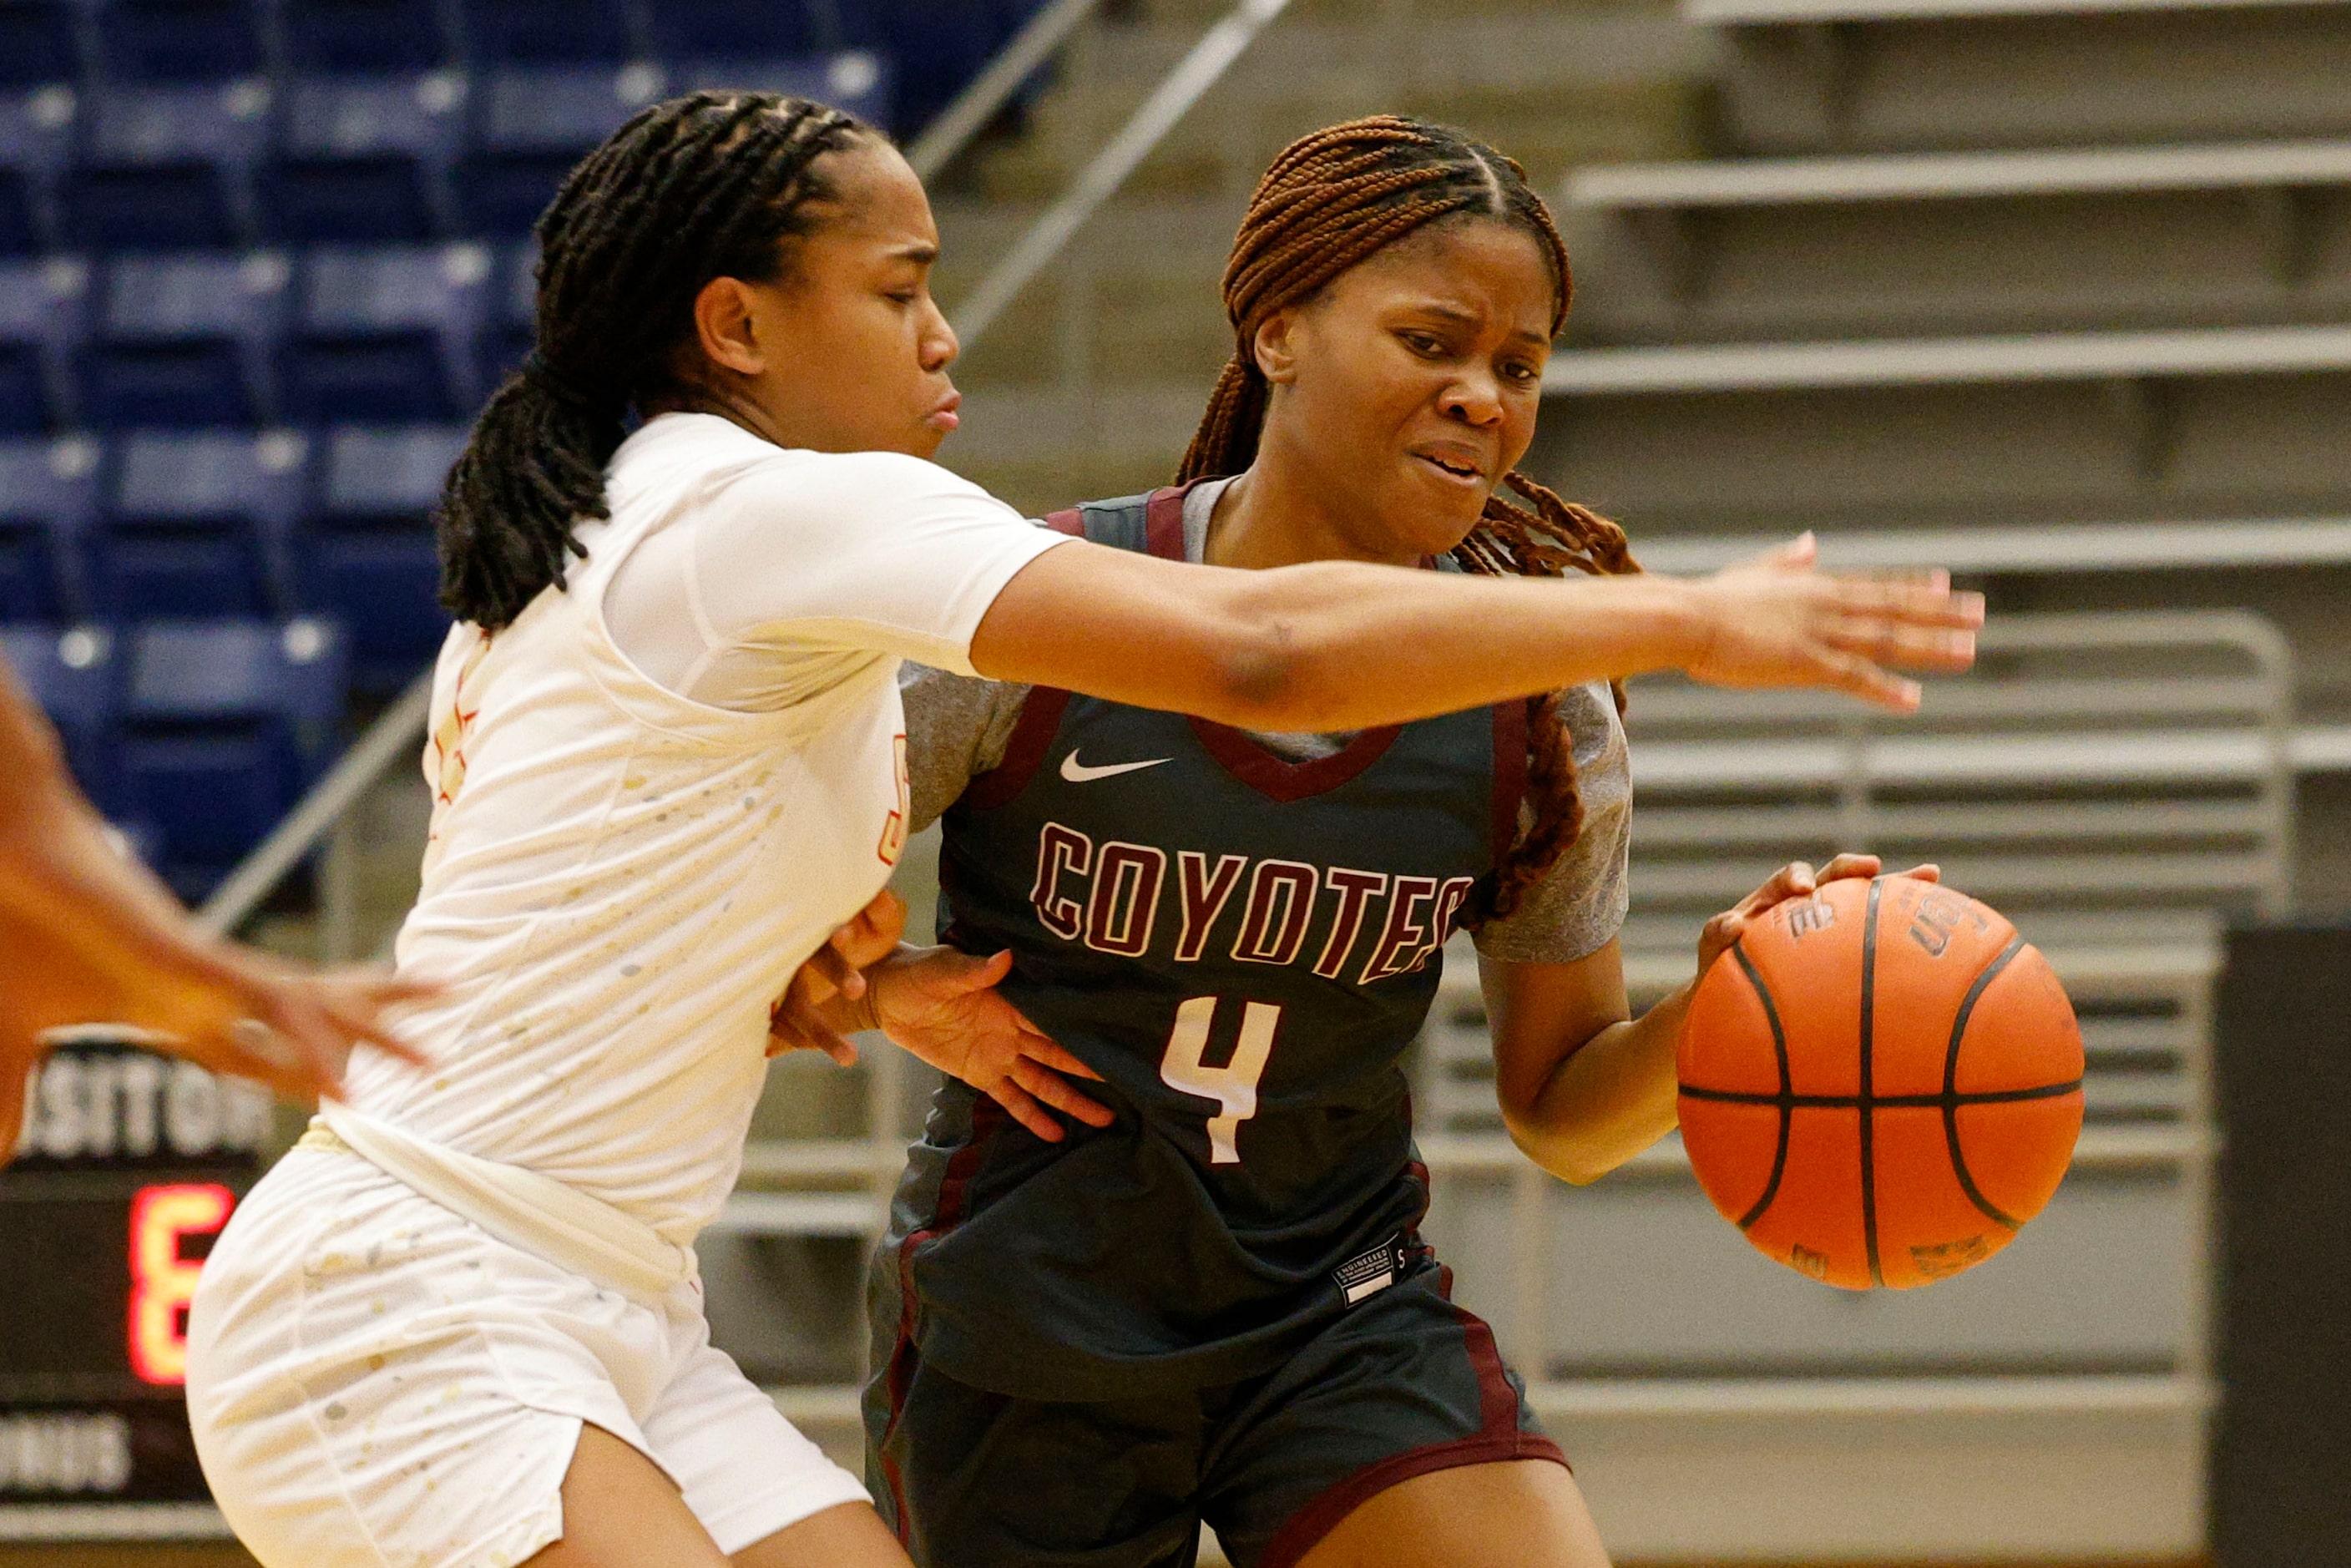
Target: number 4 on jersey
{"x": 1232, "y": 1086}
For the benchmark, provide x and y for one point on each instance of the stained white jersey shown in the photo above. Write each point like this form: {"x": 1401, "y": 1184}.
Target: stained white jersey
{"x": 620, "y": 880}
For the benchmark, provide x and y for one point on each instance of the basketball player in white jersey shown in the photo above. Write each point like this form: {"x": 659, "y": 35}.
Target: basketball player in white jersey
{"x": 460, "y": 1325}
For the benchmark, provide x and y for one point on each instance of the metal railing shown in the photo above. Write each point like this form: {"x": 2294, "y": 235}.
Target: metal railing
{"x": 968, "y": 115}
{"x": 324, "y": 816}
{"x": 1219, "y": 48}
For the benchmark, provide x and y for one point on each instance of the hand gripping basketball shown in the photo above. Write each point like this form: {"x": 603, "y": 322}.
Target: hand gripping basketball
{"x": 1881, "y": 1083}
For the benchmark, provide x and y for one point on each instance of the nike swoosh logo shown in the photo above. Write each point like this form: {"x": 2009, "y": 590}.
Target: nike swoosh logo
{"x": 1077, "y": 772}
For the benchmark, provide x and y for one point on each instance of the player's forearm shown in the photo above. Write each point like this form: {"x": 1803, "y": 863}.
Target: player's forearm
{"x": 1327, "y": 645}
{"x": 1604, "y": 1100}
{"x": 1371, "y": 645}
{"x": 59, "y": 872}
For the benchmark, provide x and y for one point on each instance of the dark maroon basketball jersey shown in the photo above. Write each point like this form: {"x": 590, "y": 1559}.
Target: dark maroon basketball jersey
{"x": 1243, "y": 946}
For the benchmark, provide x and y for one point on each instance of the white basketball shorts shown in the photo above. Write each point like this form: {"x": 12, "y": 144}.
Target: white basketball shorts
{"x": 375, "y": 1382}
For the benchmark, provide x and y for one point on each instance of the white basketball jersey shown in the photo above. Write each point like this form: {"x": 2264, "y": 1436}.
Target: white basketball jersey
{"x": 620, "y": 881}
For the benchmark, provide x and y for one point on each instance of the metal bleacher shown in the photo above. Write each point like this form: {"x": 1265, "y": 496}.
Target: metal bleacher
{"x": 2052, "y": 293}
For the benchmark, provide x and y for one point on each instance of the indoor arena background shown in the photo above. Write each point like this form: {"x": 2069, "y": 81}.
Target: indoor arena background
{"x": 2056, "y": 293}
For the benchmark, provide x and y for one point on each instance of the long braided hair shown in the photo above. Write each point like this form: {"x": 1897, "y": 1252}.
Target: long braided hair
{"x": 708, "y": 185}
{"x": 1332, "y": 200}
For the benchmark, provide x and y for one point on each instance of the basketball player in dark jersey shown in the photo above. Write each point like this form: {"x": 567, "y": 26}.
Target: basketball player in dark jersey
{"x": 1218, "y": 1306}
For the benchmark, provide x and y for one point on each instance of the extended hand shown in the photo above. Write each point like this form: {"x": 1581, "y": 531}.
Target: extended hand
{"x": 294, "y": 1029}
{"x": 225, "y": 1008}
{"x": 1795, "y": 879}
{"x": 942, "y": 1006}
{"x": 809, "y": 1014}
{"x": 1777, "y": 621}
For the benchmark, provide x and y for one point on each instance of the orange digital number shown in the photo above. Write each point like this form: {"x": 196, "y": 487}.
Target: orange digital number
{"x": 161, "y": 1281}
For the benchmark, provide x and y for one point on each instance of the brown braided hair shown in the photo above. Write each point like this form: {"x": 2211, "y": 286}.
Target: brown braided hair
{"x": 1332, "y": 200}
{"x": 708, "y": 185}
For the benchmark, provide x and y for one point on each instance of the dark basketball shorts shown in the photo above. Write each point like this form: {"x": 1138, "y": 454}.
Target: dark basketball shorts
{"x": 1401, "y": 1384}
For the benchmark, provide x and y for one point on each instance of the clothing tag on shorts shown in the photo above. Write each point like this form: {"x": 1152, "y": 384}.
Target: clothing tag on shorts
{"x": 1368, "y": 1273}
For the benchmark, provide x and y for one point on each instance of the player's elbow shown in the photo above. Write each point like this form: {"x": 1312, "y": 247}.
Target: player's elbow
{"x": 1261, "y": 678}
{"x": 1277, "y": 663}
{"x": 1578, "y": 1154}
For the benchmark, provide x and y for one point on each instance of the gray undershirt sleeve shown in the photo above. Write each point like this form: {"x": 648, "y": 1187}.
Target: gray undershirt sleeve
{"x": 1578, "y": 905}
{"x": 957, "y": 728}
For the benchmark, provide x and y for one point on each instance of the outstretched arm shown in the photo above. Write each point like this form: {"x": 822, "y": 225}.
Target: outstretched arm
{"x": 1339, "y": 646}
{"x": 90, "y": 936}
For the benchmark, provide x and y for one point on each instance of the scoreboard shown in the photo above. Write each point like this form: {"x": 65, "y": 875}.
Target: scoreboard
{"x": 129, "y": 1165}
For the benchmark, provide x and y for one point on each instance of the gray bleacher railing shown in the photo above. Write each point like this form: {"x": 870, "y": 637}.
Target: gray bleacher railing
{"x": 1037, "y": 42}
{"x": 1170, "y": 101}
{"x": 323, "y": 816}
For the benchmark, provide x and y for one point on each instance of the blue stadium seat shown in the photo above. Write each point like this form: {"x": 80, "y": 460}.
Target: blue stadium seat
{"x": 183, "y": 341}
{"x": 224, "y": 723}
{"x": 514, "y": 314}
{"x": 20, "y": 224}
{"x": 859, "y": 80}
{"x": 42, "y": 320}
{"x": 169, "y": 167}
{"x": 374, "y": 37}
{"x": 36, "y": 136}
{"x": 387, "y": 337}
{"x": 940, "y": 45}
{"x": 517, "y": 32}
{"x": 37, "y": 43}
{"x": 532, "y": 123}
{"x": 740, "y": 29}
{"x": 72, "y": 673}
{"x": 365, "y": 159}
{"x": 48, "y": 500}
{"x": 199, "y": 523}
{"x": 373, "y": 560}
{"x": 180, "y": 40}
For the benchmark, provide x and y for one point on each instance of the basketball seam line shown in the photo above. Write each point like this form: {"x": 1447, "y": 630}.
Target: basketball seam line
{"x": 1868, "y": 1085}
{"x": 1884, "y": 1102}
{"x": 1787, "y": 1085}
{"x": 1951, "y": 1082}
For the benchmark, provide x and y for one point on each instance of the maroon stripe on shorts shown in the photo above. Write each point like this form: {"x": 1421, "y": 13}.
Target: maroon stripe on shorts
{"x": 1498, "y": 1441}
{"x": 947, "y": 1213}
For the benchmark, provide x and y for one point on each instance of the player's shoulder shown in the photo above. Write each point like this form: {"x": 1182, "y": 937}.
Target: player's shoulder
{"x": 895, "y": 475}
{"x": 732, "y": 463}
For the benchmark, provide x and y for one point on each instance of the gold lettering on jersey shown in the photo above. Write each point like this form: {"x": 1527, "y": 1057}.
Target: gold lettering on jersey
{"x": 893, "y": 828}
{"x": 1125, "y": 902}
{"x": 1269, "y": 938}
{"x": 1206, "y": 894}
{"x": 1107, "y": 896}
{"x": 452, "y": 734}
{"x": 1356, "y": 889}
{"x": 1060, "y": 851}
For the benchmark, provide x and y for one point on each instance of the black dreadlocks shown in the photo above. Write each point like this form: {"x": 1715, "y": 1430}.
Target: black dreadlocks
{"x": 709, "y": 186}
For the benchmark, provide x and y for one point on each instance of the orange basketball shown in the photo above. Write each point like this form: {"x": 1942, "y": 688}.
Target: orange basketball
{"x": 1880, "y": 1083}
